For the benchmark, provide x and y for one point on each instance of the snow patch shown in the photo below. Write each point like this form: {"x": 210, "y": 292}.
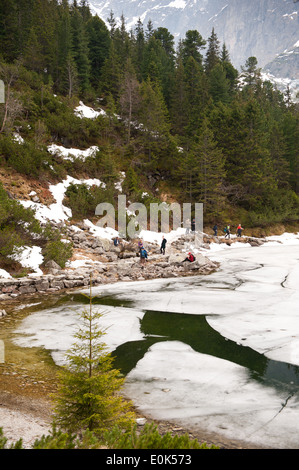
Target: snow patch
{"x": 72, "y": 153}
{"x": 84, "y": 111}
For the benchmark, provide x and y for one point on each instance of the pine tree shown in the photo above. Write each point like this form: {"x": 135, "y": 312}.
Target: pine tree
{"x": 218, "y": 84}
{"x": 138, "y": 49}
{"x": 98, "y": 46}
{"x": 290, "y": 127}
{"x": 191, "y": 46}
{"x": 196, "y": 95}
{"x": 65, "y": 57}
{"x": 87, "y": 396}
{"x": 178, "y": 101}
{"x": 80, "y": 49}
{"x": 111, "y": 73}
{"x": 251, "y": 74}
{"x": 112, "y": 23}
{"x": 213, "y": 52}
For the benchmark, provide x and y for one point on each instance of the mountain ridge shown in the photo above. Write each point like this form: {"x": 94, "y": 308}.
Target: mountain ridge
{"x": 257, "y": 28}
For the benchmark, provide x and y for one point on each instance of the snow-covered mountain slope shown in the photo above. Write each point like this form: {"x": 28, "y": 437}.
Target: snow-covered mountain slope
{"x": 257, "y": 28}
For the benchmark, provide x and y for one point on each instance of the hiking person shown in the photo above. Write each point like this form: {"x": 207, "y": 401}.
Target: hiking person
{"x": 143, "y": 255}
{"x": 239, "y": 230}
{"x": 227, "y": 231}
{"x": 190, "y": 258}
{"x": 116, "y": 241}
{"x": 163, "y": 245}
{"x": 215, "y": 228}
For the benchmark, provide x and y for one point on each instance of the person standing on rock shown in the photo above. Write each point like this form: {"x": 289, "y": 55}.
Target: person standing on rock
{"x": 215, "y": 228}
{"x": 143, "y": 255}
{"x": 239, "y": 230}
{"x": 116, "y": 241}
{"x": 163, "y": 245}
{"x": 227, "y": 231}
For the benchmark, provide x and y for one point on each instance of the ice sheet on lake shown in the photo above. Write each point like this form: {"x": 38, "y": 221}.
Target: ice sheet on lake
{"x": 198, "y": 391}
{"x": 54, "y": 328}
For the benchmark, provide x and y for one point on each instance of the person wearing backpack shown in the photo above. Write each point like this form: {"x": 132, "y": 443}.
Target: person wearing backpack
{"x": 227, "y": 231}
{"x": 143, "y": 255}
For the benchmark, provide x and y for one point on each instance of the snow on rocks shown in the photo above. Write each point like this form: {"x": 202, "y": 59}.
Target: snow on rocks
{"x": 72, "y": 153}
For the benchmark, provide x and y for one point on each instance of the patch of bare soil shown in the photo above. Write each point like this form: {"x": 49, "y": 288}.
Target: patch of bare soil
{"x": 25, "y": 412}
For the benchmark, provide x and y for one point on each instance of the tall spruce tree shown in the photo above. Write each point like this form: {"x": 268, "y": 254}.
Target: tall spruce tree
{"x": 98, "y": 46}
{"x": 213, "y": 52}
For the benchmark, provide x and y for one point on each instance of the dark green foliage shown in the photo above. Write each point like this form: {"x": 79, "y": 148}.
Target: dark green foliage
{"x": 83, "y": 200}
{"x": 162, "y": 95}
{"x": 17, "y": 225}
{"x": 58, "y": 251}
{"x": 25, "y": 158}
{"x": 150, "y": 438}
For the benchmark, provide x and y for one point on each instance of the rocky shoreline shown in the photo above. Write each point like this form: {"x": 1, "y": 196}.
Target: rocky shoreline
{"x": 98, "y": 261}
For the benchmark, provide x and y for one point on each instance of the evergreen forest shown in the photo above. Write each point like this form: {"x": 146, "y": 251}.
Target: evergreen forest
{"x": 180, "y": 120}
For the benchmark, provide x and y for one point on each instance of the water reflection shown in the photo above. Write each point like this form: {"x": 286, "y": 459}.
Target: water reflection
{"x": 195, "y": 331}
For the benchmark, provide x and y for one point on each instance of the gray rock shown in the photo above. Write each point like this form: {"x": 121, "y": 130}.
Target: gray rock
{"x": 52, "y": 265}
{"x": 27, "y": 289}
{"x": 42, "y": 286}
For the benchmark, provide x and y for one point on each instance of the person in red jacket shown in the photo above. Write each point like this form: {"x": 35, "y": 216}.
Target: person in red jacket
{"x": 239, "y": 230}
{"x": 190, "y": 258}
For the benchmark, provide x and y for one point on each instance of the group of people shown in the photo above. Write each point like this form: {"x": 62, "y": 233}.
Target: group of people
{"x": 143, "y": 255}
{"x": 227, "y": 231}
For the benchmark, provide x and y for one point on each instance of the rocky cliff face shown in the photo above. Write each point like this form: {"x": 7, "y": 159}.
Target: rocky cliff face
{"x": 285, "y": 64}
{"x": 260, "y": 28}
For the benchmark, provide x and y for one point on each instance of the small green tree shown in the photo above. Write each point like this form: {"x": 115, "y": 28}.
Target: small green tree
{"x": 87, "y": 396}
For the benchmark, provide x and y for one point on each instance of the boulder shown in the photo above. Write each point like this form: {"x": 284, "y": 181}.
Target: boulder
{"x": 50, "y": 265}
{"x": 176, "y": 258}
{"x": 42, "y": 286}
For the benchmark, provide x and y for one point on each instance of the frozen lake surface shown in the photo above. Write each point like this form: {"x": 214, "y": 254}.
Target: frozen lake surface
{"x": 240, "y": 378}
